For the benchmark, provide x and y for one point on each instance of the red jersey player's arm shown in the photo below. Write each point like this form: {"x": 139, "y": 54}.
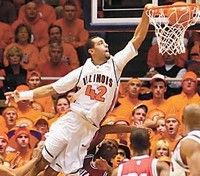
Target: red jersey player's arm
{"x": 190, "y": 154}
{"x": 109, "y": 129}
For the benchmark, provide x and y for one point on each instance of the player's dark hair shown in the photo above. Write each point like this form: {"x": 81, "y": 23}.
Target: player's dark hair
{"x": 140, "y": 139}
{"x": 90, "y": 44}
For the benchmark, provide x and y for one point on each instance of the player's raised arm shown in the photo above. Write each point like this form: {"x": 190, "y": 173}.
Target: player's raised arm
{"x": 142, "y": 28}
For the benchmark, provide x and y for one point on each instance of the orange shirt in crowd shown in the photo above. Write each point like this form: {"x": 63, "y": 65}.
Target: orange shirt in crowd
{"x": 39, "y": 29}
{"x": 30, "y": 58}
{"x": 6, "y": 35}
{"x": 30, "y": 113}
{"x": 74, "y": 33}
{"x": 123, "y": 111}
{"x": 47, "y": 103}
{"x": 163, "y": 106}
{"x": 155, "y": 59}
{"x": 69, "y": 55}
{"x": 49, "y": 69}
{"x": 178, "y": 102}
{"x": 45, "y": 11}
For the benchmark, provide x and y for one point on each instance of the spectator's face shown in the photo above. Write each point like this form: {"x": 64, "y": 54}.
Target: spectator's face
{"x": 69, "y": 12}
{"x": 31, "y": 11}
{"x": 56, "y": 54}
{"x": 14, "y": 59}
{"x": 189, "y": 86}
{"x": 134, "y": 89}
{"x": 195, "y": 56}
{"x": 121, "y": 155}
{"x": 172, "y": 126}
{"x": 55, "y": 35}
{"x": 42, "y": 127}
{"x": 10, "y": 118}
{"x": 34, "y": 81}
{"x": 158, "y": 89}
{"x": 3, "y": 145}
{"x": 70, "y": 97}
{"x": 162, "y": 151}
{"x": 22, "y": 35}
{"x": 139, "y": 116}
{"x": 62, "y": 106}
{"x": 23, "y": 140}
{"x": 19, "y": 2}
{"x": 160, "y": 126}
{"x": 169, "y": 59}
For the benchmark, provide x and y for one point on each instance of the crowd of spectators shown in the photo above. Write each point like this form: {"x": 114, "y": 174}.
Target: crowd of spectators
{"x": 41, "y": 38}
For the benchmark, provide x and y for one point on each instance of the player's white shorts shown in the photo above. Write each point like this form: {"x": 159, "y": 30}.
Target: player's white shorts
{"x": 67, "y": 142}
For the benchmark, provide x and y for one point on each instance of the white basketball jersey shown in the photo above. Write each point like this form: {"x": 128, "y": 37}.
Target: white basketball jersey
{"x": 194, "y": 135}
{"x": 97, "y": 85}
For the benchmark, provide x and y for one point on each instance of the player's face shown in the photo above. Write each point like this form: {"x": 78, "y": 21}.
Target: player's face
{"x": 108, "y": 149}
{"x": 158, "y": 89}
{"x": 162, "y": 151}
{"x": 189, "y": 86}
{"x": 3, "y": 145}
{"x": 10, "y": 117}
{"x": 172, "y": 126}
{"x": 100, "y": 50}
{"x": 23, "y": 140}
{"x": 160, "y": 126}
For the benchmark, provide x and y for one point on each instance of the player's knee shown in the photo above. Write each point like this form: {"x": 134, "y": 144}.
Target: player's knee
{"x": 42, "y": 163}
{"x": 50, "y": 172}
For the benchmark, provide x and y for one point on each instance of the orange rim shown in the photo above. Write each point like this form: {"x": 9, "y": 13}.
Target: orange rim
{"x": 171, "y": 6}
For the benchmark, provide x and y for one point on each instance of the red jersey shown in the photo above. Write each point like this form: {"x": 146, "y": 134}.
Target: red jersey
{"x": 138, "y": 166}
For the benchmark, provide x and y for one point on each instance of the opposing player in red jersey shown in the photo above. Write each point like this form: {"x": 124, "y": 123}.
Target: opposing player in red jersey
{"x": 141, "y": 164}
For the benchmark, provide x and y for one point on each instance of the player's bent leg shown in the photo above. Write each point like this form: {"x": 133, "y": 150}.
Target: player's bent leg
{"x": 50, "y": 172}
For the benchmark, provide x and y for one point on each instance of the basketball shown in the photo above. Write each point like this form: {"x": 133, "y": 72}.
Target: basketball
{"x": 179, "y": 14}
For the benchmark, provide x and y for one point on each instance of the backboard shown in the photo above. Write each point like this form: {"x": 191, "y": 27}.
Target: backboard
{"x": 124, "y": 15}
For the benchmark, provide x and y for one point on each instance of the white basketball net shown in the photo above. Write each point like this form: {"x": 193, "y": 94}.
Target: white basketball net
{"x": 170, "y": 37}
